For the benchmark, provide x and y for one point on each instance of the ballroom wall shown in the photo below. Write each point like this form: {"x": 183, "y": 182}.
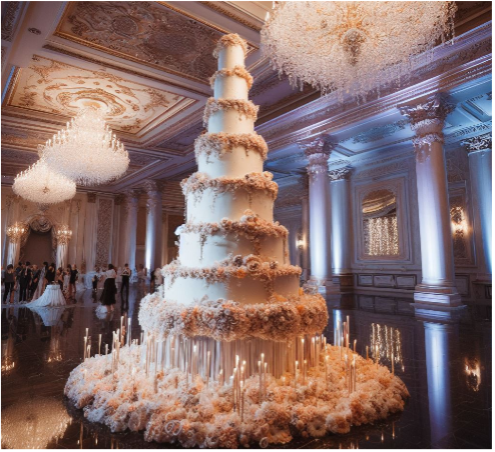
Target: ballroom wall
{"x": 396, "y": 172}
{"x": 99, "y": 228}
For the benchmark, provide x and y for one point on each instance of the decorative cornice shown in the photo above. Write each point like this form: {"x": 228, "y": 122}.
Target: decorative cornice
{"x": 340, "y": 173}
{"x": 10, "y": 15}
{"x": 479, "y": 143}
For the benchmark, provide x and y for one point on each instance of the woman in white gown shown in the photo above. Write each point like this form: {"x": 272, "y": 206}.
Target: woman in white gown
{"x": 52, "y": 297}
{"x": 39, "y": 288}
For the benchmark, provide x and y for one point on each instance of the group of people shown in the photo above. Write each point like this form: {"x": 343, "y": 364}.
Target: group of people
{"x": 30, "y": 281}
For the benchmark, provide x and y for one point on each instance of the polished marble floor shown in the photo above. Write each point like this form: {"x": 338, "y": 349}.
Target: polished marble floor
{"x": 445, "y": 363}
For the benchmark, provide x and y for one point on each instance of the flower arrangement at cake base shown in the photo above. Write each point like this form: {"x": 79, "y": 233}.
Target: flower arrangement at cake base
{"x": 171, "y": 405}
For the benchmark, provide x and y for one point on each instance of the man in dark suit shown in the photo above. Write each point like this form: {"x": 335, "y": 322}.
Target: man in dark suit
{"x": 24, "y": 282}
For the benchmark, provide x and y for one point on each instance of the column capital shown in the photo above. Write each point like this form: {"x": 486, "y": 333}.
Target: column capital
{"x": 318, "y": 151}
{"x": 340, "y": 173}
{"x": 435, "y": 108}
{"x": 152, "y": 186}
{"x": 478, "y": 143}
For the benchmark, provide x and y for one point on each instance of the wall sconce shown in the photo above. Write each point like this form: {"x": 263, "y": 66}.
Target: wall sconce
{"x": 300, "y": 242}
{"x": 458, "y": 222}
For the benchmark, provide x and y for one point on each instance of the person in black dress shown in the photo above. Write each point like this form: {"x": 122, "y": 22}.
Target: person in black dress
{"x": 9, "y": 278}
{"x": 72, "y": 281}
{"x": 24, "y": 282}
{"x": 109, "y": 288}
{"x": 50, "y": 274}
{"x": 126, "y": 276}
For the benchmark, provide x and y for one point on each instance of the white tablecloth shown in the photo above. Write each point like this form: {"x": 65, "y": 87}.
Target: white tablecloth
{"x": 52, "y": 296}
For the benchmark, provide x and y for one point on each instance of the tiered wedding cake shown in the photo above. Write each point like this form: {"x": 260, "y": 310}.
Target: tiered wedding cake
{"x": 232, "y": 279}
{"x": 231, "y": 352}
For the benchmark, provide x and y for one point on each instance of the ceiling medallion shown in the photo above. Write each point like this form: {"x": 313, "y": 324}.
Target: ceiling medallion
{"x": 352, "y": 47}
{"x": 41, "y": 185}
{"x": 87, "y": 151}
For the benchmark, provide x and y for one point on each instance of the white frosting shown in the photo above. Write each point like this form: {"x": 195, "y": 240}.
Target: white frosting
{"x": 230, "y": 87}
{"x": 208, "y": 207}
{"x": 230, "y": 56}
{"x": 218, "y": 247}
{"x": 230, "y": 121}
{"x": 235, "y": 163}
{"x": 187, "y": 291}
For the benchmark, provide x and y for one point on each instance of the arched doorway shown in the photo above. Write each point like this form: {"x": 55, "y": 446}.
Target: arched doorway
{"x": 38, "y": 247}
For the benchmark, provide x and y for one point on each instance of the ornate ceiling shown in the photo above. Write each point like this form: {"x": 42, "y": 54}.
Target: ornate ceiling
{"x": 149, "y": 64}
{"x": 52, "y": 87}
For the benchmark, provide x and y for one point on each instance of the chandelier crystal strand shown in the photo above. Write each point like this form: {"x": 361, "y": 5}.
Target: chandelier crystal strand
{"x": 87, "y": 150}
{"x": 42, "y": 185}
{"x": 352, "y": 47}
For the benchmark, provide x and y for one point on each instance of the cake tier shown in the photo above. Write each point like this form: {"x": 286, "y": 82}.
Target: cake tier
{"x": 215, "y": 242}
{"x": 198, "y": 249}
{"x": 230, "y": 115}
{"x": 250, "y": 283}
{"x": 230, "y": 155}
{"x": 212, "y": 199}
{"x": 231, "y": 83}
{"x": 230, "y": 50}
{"x": 280, "y": 319}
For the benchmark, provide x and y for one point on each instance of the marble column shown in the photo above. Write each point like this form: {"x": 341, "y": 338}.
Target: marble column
{"x": 90, "y": 226}
{"x": 318, "y": 152}
{"x": 437, "y": 256}
{"x": 153, "y": 251}
{"x": 341, "y": 227}
{"x": 61, "y": 253}
{"x": 74, "y": 226}
{"x": 305, "y": 239}
{"x": 117, "y": 236}
{"x": 480, "y": 165}
{"x": 8, "y": 214}
{"x": 130, "y": 234}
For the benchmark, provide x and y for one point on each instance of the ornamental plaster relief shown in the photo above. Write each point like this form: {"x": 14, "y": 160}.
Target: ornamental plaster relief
{"x": 50, "y": 86}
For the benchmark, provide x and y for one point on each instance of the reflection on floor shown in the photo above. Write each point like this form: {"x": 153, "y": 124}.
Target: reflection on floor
{"x": 446, "y": 366}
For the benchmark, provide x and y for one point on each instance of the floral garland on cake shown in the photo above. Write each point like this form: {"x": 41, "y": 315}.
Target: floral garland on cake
{"x": 279, "y": 319}
{"x": 222, "y": 142}
{"x": 199, "y": 182}
{"x": 192, "y": 414}
{"x": 236, "y": 70}
{"x": 251, "y": 265}
{"x": 244, "y": 107}
{"x": 232, "y": 39}
{"x": 250, "y": 226}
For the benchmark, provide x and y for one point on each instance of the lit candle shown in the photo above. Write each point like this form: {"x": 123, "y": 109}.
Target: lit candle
{"x": 354, "y": 346}
{"x": 367, "y": 352}
{"x": 85, "y": 344}
{"x": 295, "y": 373}
{"x": 99, "y": 344}
{"x": 305, "y": 368}
{"x": 129, "y": 331}
{"x": 208, "y": 361}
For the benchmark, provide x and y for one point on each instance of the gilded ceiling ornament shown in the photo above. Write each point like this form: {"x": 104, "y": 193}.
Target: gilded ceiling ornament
{"x": 154, "y": 34}
{"x": 479, "y": 143}
{"x": 50, "y": 86}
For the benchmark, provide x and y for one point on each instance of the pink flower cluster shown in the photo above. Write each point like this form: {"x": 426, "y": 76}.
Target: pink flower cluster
{"x": 243, "y": 107}
{"x": 279, "y": 319}
{"x": 223, "y": 142}
{"x": 189, "y": 413}
{"x": 239, "y": 71}
{"x": 199, "y": 182}
{"x": 232, "y": 39}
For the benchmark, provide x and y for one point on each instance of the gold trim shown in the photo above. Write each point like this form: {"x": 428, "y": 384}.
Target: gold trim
{"x": 127, "y": 57}
{"x": 224, "y": 12}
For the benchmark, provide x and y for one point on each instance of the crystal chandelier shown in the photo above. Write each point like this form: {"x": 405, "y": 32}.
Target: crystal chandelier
{"x": 41, "y": 185}
{"x": 17, "y": 230}
{"x": 352, "y": 47}
{"x": 63, "y": 234}
{"x": 87, "y": 150}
